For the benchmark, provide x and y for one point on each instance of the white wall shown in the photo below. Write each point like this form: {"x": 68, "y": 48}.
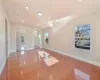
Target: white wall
{"x": 2, "y": 37}
{"x": 12, "y": 38}
{"x": 28, "y": 37}
{"x": 63, "y": 39}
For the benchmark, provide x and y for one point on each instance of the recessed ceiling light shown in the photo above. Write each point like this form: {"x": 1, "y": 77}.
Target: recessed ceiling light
{"x": 37, "y": 24}
{"x": 50, "y": 24}
{"x": 80, "y": 0}
{"x": 48, "y": 17}
{"x": 22, "y": 20}
{"x": 39, "y": 14}
{"x": 26, "y": 7}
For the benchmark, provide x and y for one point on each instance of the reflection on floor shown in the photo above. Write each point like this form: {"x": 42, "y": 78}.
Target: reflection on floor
{"x": 31, "y": 65}
{"x": 48, "y": 59}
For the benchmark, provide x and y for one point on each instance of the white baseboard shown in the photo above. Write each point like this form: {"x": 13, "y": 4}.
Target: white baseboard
{"x": 20, "y": 50}
{"x": 12, "y": 51}
{"x": 76, "y": 57}
{"x": 29, "y": 48}
{"x": 2, "y": 67}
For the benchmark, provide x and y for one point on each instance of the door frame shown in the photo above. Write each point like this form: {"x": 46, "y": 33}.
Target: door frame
{"x": 6, "y": 37}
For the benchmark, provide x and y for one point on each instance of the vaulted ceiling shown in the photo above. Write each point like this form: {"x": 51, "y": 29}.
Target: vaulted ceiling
{"x": 25, "y": 11}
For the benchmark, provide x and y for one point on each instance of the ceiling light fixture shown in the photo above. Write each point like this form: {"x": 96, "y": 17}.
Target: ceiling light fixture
{"x": 27, "y": 8}
{"x": 39, "y": 14}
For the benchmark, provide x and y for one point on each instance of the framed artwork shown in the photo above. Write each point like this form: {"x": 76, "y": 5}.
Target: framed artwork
{"x": 82, "y": 36}
{"x": 22, "y": 38}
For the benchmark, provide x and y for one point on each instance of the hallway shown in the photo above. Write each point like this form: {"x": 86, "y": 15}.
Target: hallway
{"x": 49, "y": 39}
{"x": 29, "y": 66}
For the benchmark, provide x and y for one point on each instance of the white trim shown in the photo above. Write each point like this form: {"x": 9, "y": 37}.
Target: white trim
{"x": 2, "y": 67}
{"x": 29, "y": 48}
{"x": 12, "y": 51}
{"x": 25, "y": 49}
{"x": 76, "y": 57}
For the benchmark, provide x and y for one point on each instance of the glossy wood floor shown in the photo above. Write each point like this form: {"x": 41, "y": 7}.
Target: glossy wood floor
{"x": 29, "y": 66}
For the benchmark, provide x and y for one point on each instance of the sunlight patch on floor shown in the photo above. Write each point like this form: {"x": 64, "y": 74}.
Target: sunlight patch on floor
{"x": 48, "y": 59}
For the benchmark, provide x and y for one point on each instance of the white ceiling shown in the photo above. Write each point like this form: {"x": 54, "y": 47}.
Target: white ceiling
{"x": 55, "y": 9}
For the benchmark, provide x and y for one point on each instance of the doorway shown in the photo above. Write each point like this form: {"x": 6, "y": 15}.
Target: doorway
{"x": 37, "y": 39}
{"x": 20, "y": 39}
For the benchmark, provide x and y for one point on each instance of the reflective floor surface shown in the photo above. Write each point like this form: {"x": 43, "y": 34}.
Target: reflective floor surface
{"x": 28, "y": 65}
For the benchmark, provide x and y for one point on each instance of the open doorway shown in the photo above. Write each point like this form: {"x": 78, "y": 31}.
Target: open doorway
{"x": 37, "y": 39}
{"x": 20, "y": 39}
{"x": 46, "y": 40}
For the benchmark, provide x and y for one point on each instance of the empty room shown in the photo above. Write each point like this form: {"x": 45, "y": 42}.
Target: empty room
{"x": 49, "y": 39}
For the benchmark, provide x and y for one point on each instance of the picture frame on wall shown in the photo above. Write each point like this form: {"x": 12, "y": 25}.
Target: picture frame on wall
{"x": 82, "y": 36}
